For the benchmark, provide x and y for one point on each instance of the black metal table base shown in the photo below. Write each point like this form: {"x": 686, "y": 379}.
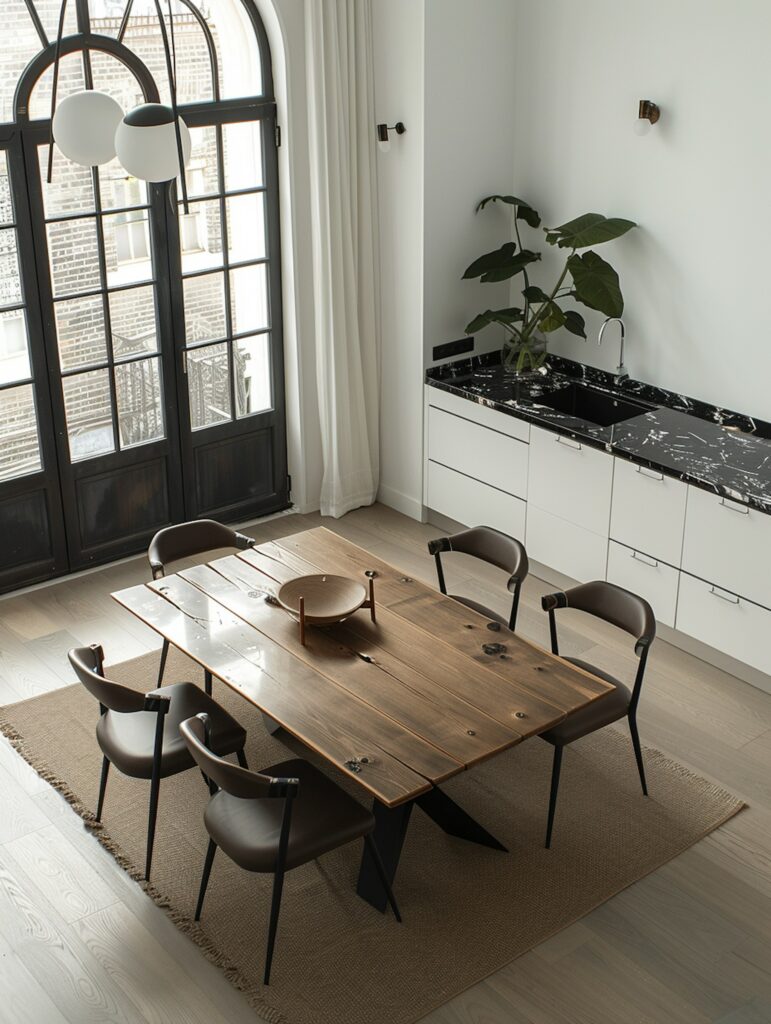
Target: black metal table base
{"x": 391, "y": 830}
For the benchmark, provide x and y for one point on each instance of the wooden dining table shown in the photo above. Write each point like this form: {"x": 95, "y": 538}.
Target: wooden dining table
{"x": 400, "y": 704}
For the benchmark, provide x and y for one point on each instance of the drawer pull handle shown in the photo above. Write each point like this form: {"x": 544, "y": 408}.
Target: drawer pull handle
{"x": 645, "y": 560}
{"x": 651, "y": 474}
{"x": 731, "y": 598}
{"x": 741, "y": 509}
{"x": 575, "y": 445}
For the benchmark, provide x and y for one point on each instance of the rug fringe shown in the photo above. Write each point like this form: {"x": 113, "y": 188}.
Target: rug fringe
{"x": 191, "y": 928}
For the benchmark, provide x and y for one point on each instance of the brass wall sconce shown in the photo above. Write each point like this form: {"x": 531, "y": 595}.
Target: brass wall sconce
{"x": 648, "y": 114}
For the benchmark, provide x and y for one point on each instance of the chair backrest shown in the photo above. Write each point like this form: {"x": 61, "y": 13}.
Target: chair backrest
{"x": 232, "y": 778}
{"x": 193, "y": 538}
{"x": 612, "y": 604}
{"x": 88, "y": 664}
{"x": 489, "y": 546}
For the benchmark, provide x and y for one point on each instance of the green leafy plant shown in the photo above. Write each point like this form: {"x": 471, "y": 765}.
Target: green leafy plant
{"x": 592, "y": 281}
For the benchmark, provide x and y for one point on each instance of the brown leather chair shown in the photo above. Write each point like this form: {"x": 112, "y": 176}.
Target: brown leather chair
{"x": 631, "y": 613}
{"x": 493, "y": 547}
{"x": 181, "y": 541}
{"x": 139, "y": 732}
{"x": 275, "y": 820}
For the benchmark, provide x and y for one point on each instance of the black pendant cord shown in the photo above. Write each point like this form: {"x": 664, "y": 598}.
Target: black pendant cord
{"x": 125, "y": 20}
{"x": 54, "y": 88}
{"x": 173, "y": 90}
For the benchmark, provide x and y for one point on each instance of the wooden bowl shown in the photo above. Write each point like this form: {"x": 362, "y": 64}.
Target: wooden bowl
{"x": 327, "y": 598}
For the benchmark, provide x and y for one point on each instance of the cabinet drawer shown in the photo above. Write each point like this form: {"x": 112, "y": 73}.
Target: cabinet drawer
{"x": 648, "y": 577}
{"x": 729, "y": 623}
{"x": 473, "y": 503}
{"x": 648, "y": 511}
{"x": 728, "y": 544}
{"x": 570, "y": 549}
{"x": 476, "y": 451}
{"x": 481, "y": 414}
{"x": 570, "y": 480}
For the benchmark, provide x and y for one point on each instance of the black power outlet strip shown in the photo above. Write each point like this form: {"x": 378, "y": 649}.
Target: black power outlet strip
{"x": 453, "y": 348}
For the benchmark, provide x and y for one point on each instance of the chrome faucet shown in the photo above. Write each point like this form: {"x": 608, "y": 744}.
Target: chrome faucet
{"x": 621, "y": 373}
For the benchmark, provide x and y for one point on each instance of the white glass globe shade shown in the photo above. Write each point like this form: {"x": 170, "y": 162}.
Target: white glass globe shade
{"x": 84, "y": 127}
{"x": 146, "y": 142}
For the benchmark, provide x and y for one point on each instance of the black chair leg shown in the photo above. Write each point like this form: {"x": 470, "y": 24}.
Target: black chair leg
{"x": 555, "y": 782}
{"x": 275, "y": 907}
{"x": 205, "y": 877}
{"x": 162, "y": 666}
{"x": 207, "y": 681}
{"x": 102, "y": 787}
{"x": 241, "y": 755}
{"x": 375, "y": 854}
{"x": 155, "y": 787}
{"x": 638, "y": 753}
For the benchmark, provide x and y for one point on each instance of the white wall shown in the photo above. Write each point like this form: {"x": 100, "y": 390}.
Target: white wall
{"x": 399, "y": 40}
{"x": 695, "y": 273}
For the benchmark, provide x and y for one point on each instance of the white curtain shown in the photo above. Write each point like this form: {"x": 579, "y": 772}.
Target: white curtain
{"x": 344, "y": 206}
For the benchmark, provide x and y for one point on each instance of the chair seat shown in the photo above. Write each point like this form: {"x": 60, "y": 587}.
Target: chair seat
{"x": 323, "y": 818}
{"x": 607, "y": 709}
{"x": 475, "y": 606}
{"x": 128, "y": 740}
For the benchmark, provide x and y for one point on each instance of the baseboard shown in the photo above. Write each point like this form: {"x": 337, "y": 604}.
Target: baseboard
{"x": 403, "y": 503}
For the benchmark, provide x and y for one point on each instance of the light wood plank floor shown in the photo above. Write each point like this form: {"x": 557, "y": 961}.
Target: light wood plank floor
{"x": 691, "y": 944}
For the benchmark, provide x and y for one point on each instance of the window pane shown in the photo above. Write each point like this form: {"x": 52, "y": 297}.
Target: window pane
{"x": 113, "y": 77}
{"x": 6, "y": 203}
{"x": 194, "y": 77}
{"x": 48, "y": 10}
{"x": 89, "y": 416}
{"x": 204, "y": 308}
{"x": 127, "y": 248}
{"x": 251, "y": 363}
{"x": 200, "y": 236}
{"x": 19, "y": 43}
{"x": 138, "y": 395}
{"x": 81, "y": 332}
{"x": 249, "y": 298}
{"x": 201, "y": 173}
{"x": 246, "y": 227}
{"x": 132, "y": 319}
{"x": 208, "y": 383}
{"x": 72, "y": 186}
{"x": 243, "y": 155}
{"x": 118, "y": 189}
{"x": 14, "y": 351}
{"x": 19, "y": 444}
{"x": 72, "y": 253}
{"x": 240, "y": 68}
{"x": 71, "y": 80}
{"x": 10, "y": 282}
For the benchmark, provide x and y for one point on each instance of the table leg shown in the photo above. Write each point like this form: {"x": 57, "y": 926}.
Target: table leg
{"x": 451, "y": 817}
{"x": 271, "y": 725}
{"x": 390, "y": 831}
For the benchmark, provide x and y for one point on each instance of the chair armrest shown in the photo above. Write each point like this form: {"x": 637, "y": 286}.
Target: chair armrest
{"x": 243, "y": 542}
{"x": 284, "y": 787}
{"x": 157, "y": 702}
{"x": 551, "y": 601}
{"x": 438, "y": 545}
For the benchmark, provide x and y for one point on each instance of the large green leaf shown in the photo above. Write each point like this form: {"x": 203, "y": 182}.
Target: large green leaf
{"x": 575, "y": 323}
{"x": 502, "y": 317}
{"x": 497, "y": 258}
{"x": 516, "y": 265}
{"x": 589, "y": 229}
{"x": 552, "y": 318}
{"x": 535, "y": 294}
{"x": 596, "y": 283}
{"x": 525, "y": 211}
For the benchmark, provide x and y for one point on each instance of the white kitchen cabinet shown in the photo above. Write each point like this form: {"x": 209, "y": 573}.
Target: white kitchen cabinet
{"x": 571, "y": 481}
{"x": 724, "y": 620}
{"x": 652, "y": 579}
{"x": 728, "y": 544}
{"x": 487, "y": 455}
{"x": 482, "y": 414}
{"x": 648, "y": 511}
{"x": 563, "y": 546}
{"x": 474, "y": 503}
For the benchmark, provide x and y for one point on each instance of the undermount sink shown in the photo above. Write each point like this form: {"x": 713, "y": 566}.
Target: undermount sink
{"x": 594, "y": 406}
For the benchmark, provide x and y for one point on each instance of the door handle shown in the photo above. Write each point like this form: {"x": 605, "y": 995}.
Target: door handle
{"x": 743, "y": 510}
{"x": 645, "y": 560}
{"x": 731, "y": 598}
{"x": 575, "y": 445}
{"x": 651, "y": 474}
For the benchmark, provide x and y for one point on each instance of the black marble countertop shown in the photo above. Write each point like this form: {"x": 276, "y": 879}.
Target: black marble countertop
{"x": 717, "y": 449}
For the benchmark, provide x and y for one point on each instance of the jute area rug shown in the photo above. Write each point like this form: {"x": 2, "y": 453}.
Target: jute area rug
{"x": 467, "y": 910}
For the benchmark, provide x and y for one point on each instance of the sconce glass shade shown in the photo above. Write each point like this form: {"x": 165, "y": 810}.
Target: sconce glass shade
{"x": 84, "y": 127}
{"x": 146, "y": 143}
